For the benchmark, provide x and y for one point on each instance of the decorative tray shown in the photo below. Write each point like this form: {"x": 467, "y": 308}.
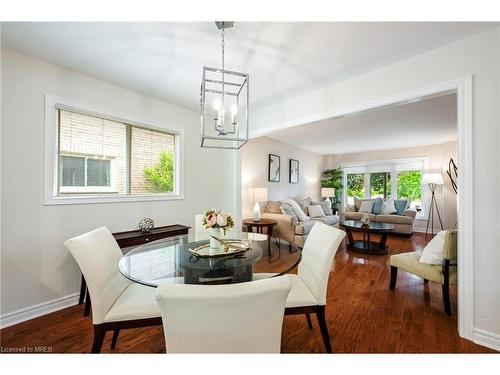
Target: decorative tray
{"x": 230, "y": 247}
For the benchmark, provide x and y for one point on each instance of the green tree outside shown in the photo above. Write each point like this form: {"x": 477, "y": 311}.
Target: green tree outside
{"x": 160, "y": 176}
{"x": 409, "y": 185}
{"x": 356, "y": 185}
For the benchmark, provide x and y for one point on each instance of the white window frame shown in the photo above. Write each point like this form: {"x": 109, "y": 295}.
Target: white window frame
{"x": 51, "y": 197}
{"x": 393, "y": 166}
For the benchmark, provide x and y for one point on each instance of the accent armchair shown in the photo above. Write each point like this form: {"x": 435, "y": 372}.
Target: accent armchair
{"x": 445, "y": 274}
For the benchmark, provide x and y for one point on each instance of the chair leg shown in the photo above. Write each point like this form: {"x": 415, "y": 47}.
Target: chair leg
{"x": 309, "y": 323}
{"x": 394, "y": 277}
{"x": 86, "y": 310}
{"x": 320, "y": 315}
{"x": 83, "y": 288}
{"x": 116, "y": 332}
{"x": 99, "y": 333}
{"x": 446, "y": 299}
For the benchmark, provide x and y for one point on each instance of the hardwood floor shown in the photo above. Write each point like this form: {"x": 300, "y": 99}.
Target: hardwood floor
{"x": 363, "y": 316}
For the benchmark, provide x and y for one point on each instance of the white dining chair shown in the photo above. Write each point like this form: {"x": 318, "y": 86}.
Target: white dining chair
{"x": 117, "y": 303}
{"x": 309, "y": 285}
{"x": 198, "y": 223}
{"x": 231, "y": 318}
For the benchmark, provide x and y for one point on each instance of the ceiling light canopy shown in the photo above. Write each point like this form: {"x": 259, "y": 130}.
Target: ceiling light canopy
{"x": 224, "y": 104}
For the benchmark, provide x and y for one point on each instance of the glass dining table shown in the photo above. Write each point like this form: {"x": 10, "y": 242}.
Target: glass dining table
{"x": 171, "y": 260}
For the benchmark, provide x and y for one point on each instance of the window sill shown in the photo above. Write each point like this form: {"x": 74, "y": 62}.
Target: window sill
{"x": 104, "y": 198}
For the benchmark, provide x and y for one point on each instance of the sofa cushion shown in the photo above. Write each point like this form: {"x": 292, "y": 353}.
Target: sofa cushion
{"x": 286, "y": 209}
{"x": 394, "y": 219}
{"x": 304, "y": 227}
{"x": 304, "y": 203}
{"x": 377, "y": 206}
{"x": 315, "y": 211}
{"x": 401, "y": 205}
{"x": 389, "y": 207}
{"x": 358, "y": 201}
{"x": 358, "y": 216}
{"x": 325, "y": 206}
{"x": 329, "y": 220}
{"x": 273, "y": 207}
{"x": 366, "y": 206}
{"x": 299, "y": 212}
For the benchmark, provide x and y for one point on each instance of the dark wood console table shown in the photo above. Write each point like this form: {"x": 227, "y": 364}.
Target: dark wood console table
{"x": 134, "y": 238}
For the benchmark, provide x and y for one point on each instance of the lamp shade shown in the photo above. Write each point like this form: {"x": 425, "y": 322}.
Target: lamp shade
{"x": 260, "y": 194}
{"x": 327, "y": 192}
{"x": 432, "y": 178}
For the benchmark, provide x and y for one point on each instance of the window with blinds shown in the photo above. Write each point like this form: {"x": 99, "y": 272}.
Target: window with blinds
{"x": 102, "y": 156}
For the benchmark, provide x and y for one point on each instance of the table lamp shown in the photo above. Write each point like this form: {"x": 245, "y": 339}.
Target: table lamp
{"x": 432, "y": 180}
{"x": 259, "y": 195}
{"x": 328, "y": 193}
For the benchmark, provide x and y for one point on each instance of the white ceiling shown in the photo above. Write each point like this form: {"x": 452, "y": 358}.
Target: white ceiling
{"x": 430, "y": 121}
{"x": 165, "y": 60}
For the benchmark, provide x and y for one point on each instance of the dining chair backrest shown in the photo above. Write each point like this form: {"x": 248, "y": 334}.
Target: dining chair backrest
{"x": 198, "y": 223}
{"x": 319, "y": 250}
{"x": 97, "y": 255}
{"x": 231, "y": 318}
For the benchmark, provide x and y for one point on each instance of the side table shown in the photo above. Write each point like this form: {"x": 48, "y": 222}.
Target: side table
{"x": 259, "y": 225}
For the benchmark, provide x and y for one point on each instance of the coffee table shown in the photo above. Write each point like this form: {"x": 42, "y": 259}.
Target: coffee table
{"x": 366, "y": 246}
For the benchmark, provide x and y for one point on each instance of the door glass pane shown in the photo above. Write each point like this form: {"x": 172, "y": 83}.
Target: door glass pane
{"x": 151, "y": 161}
{"x": 98, "y": 172}
{"x": 355, "y": 186}
{"x": 410, "y": 186}
{"x": 380, "y": 185}
{"x": 71, "y": 171}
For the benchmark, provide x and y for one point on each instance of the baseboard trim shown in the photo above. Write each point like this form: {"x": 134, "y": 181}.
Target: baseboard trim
{"x": 488, "y": 339}
{"x": 27, "y": 313}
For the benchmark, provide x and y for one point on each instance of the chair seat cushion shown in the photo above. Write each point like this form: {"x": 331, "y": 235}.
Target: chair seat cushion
{"x": 300, "y": 294}
{"x": 136, "y": 302}
{"x": 409, "y": 262}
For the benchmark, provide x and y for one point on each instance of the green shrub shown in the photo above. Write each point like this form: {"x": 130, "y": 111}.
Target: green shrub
{"x": 160, "y": 176}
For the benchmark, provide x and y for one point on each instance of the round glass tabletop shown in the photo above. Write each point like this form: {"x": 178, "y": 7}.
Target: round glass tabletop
{"x": 170, "y": 260}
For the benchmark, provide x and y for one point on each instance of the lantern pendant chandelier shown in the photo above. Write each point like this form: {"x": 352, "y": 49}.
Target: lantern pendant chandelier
{"x": 224, "y": 104}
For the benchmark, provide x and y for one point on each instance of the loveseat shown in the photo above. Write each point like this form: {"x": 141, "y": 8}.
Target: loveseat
{"x": 290, "y": 228}
{"x": 403, "y": 220}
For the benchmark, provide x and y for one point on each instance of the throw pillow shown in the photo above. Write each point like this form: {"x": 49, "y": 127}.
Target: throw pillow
{"x": 401, "y": 205}
{"x": 433, "y": 252}
{"x": 286, "y": 209}
{"x": 304, "y": 203}
{"x": 315, "y": 211}
{"x": 325, "y": 206}
{"x": 273, "y": 207}
{"x": 378, "y": 206}
{"x": 366, "y": 206}
{"x": 301, "y": 215}
{"x": 389, "y": 207}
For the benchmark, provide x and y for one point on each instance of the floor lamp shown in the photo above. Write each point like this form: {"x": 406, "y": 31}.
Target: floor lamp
{"x": 432, "y": 180}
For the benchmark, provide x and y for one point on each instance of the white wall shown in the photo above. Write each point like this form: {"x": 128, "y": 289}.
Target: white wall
{"x": 36, "y": 268}
{"x": 438, "y": 157}
{"x": 477, "y": 55}
{"x": 254, "y": 171}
